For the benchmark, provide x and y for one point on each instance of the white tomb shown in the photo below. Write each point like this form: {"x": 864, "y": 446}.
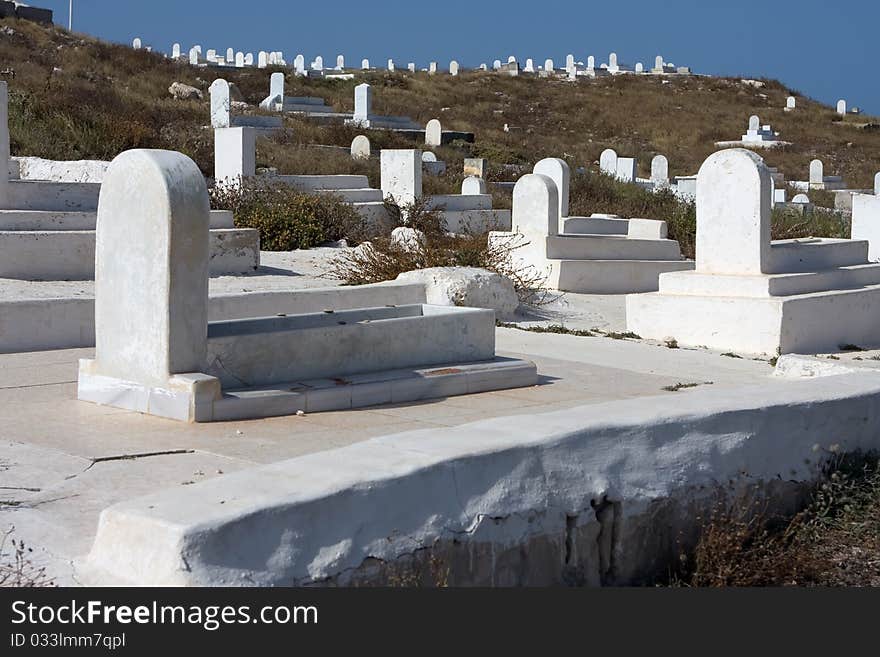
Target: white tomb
{"x": 157, "y": 353}
{"x": 433, "y": 133}
{"x": 360, "y": 148}
{"x": 340, "y": 62}
{"x": 841, "y": 107}
{"x": 790, "y": 104}
{"x": 592, "y": 255}
{"x": 453, "y": 68}
{"x": 753, "y": 296}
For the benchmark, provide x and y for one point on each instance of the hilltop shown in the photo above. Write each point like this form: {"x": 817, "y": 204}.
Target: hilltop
{"x": 76, "y": 97}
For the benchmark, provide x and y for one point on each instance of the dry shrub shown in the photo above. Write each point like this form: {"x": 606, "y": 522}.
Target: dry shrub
{"x": 288, "y": 219}
{"x": 16, "y": 568}
{"x": 383, "y": 260}
{"x": 834, "y": 541}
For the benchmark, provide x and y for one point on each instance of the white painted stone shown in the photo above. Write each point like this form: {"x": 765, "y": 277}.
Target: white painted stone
{"x": 660, "y": 170}
{"x": 569, "y": 62}
{"x": 411, "y": 67}
{"x": 790, "y": 103}
{"x": 536, "y": 207}
{"x": 136, "y": 43}
{"x": 591, "y": 62}
{"x": 230, "y": 55}
{"x": 193, "y": 57}
{"x": 433, "y": 133}
{"x": 754, "y": 123}
{"x": 530, "y": 66}
{"x": 469, "y": 287}
{"x": 276, "y": 85}
{"x": 408, "y": 239}
{"x": 432, "y": 68}
{"x": 801, "y": 199}
{"x": 175, "y": 51}
{"x": 299, "y": 65}
{"x": 548, "y": 65}
{"x": 511, "y": 59}
{"x": 151, "y": 277}
{"x": 608, "y": 162}
{"x": 453, "y": 68}
{"x": 211, "y": 55}
{"x": 249, "y": 59}
{"x": 865, "y": 222}
{"x": 613, "y": 67}
{"x": 234, "y": 155}
{"x": 318, "y": 64}
{"x": 239, "y": 59}
{"x": 182, "y": 91}
{"x": 472, "y": 185}
{"x": 360, "y": 147}
{"x": 363, "y": 101}
{"x": 558, "y": 171}
{"x": 658, "y": 64}
{"x": 817, "y": 173}
{"x": 221, "y": 107}
{"x": 66, "y": 171}
{"x": 640, "y": 68}
{"x": 733, "y": 214}
{"x": 841, "y": 107}
{"x": 365, "y": 64}
{"x": 340, "y": 62}
{"x": 262, "y": 59}
{"x": 401, "y": 175}
{"x": 496, "y": 65}
{"x": 391, "y": 65}
{"x": 627, "y": 169}
{"x": 428, "y": 156}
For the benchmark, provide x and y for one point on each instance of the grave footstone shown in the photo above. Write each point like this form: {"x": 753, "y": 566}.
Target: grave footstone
{"x": 360, "y": 148}
{"x": 660, "y": 170}
{"x": 433, "y": 133}
{"x": 608, "y": 162}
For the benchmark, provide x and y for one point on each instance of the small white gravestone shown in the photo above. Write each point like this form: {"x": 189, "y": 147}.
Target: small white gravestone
{"x": 211, "y": 55}
{"x": 496, "y": 65}
{"x": 453, "y": 68}
{"x": 175, "y": 51}
{"x": 230, "y": 55}
{"x": 433, "y": 133}
{"x": 193, "y": 57}
{"x": 530, "y": 66}
{"x": 340, "y": 62}
{"x": 817, "y": 173}
{"x": 790, "y": 103}
{"x": 801, "y": 199}
{"x": 733, "y": 214}
{"x": 558, "y": 171}
{"x": 234, "y": 155}
{"x": 249, "y": 59}
{"x": 363, "y": 103}
{"x": 473, "y": 186}
{"x": 239, "y": 59}
{"x": 754, "y": 124}
{"x": 660, "y": 171}
{"x": 391, "y": 65}
{"x": 299, "y": 65}
{"x": 608, "y": 162}
{"x": 365, "y": 64}
{"x": 569, "y": 62}
{"x": 511, "y": 59}
{"x": 658, "y": 64}
{"x": 220, "y": 104}
{"x": 428, "y": 156}
{"x": 591, "y": 63}
{"x": 548, "y": 65}
{"x": 401, "y": 175}
{"x": 432, "y": 68}
{"x": 535, "y": 208}
{"x": 640, "y": 68}
{"x": 262, "y": 59}
{"x": 841, "y": 107}
{"x": 626, "y": 169}
{"x": 318, "y": 64}
{"x": 360, "y": 148}
{"x": 273, "y": 59}
{"x": 136, "y": 43}
{"x": 411, "y": 67}
{"x": 4, "y": 146}
{"x": 276, "y": 86}
{"x": 612, "y": 63}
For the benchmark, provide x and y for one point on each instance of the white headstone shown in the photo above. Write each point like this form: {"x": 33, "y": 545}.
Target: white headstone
{"x": 340, "y": 62}
{"x": 230, "y": 55}
{"x": 640, "y": 68}
{"x": 569, "y": 62}
{"x": 530, "y": 66}
{"x": 535, "y": 206}
{"x": 591, "y": 62}
{"x": 841, "y": 107}
{"x": 484, "y": 67}
{"x": 817, "y": 172}
{"x": 193, "y": 57}
{"x": 558, "y": 171}
{"x": 360, "y": 147}
{"x": 363, "y": 102}
{"x": 453, "y": 68}
{"x": 299, "y": 64}
{"x": 411, "y": 67}
{"x": 401, "y": 175}
{"x": 175, "y": 51}
{"x": 234, "y": 155}
{"x": 658, "y": 63}
{"x": 432, "y": 68}
{"x": 249, "y": 59}
{"x": 239, "y": 59}
{"x": 211, "y": 55}
{"x": 627, "y": 169}
{"x": 276, "y": 86}
{"x": 612, "y": 63}
{"x": 496, "y": 65}
{"x": 136, "y": 43}
{"x": 608, "y": 162}
{"x": 660, "y": 170}
{"x": 428, "y": 156}
{"x": 791, "y": 102}
{"x": 801, "y": 199}
{"x": 433, "y": 133}
{"x": 365, "y": 64}
{"x": 733, "y": 214}
{"x": 318, "y": 64}
{"x": 472, "y": 186}
{"x": 548, "y": 65}
{"x": 754, "y": 124}
{"x": 262, "y": 59}
{"x": 220, "y": 104}
{"x": 511, "y": 59}
{"x": 151, "y": 273}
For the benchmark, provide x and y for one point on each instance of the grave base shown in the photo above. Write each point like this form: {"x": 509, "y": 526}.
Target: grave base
{"x": 198, "y": 397}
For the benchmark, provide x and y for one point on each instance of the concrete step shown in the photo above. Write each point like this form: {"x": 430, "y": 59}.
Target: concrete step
{"x": 610, "y": 247}
{"x": 308, "y": 183}
{"x": 477, "y": 221}
{"x": 366, "y": 195}
{"x": 49, "y": 220}
{"x": 615, "y": 276}
{"x": 53, "y": 196}
{"x": 772, "y": 285}
{"x": 790, "y": 256}
{"x": 70, "y": 254}
{"x": 459, "y": 202}
{"x": 594, "y": 226}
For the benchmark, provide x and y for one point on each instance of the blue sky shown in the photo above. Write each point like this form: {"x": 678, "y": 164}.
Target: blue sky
{"x": 825, "y": 50}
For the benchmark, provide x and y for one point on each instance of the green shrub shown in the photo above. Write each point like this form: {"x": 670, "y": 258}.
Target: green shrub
{"x": 288, "y": 219}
